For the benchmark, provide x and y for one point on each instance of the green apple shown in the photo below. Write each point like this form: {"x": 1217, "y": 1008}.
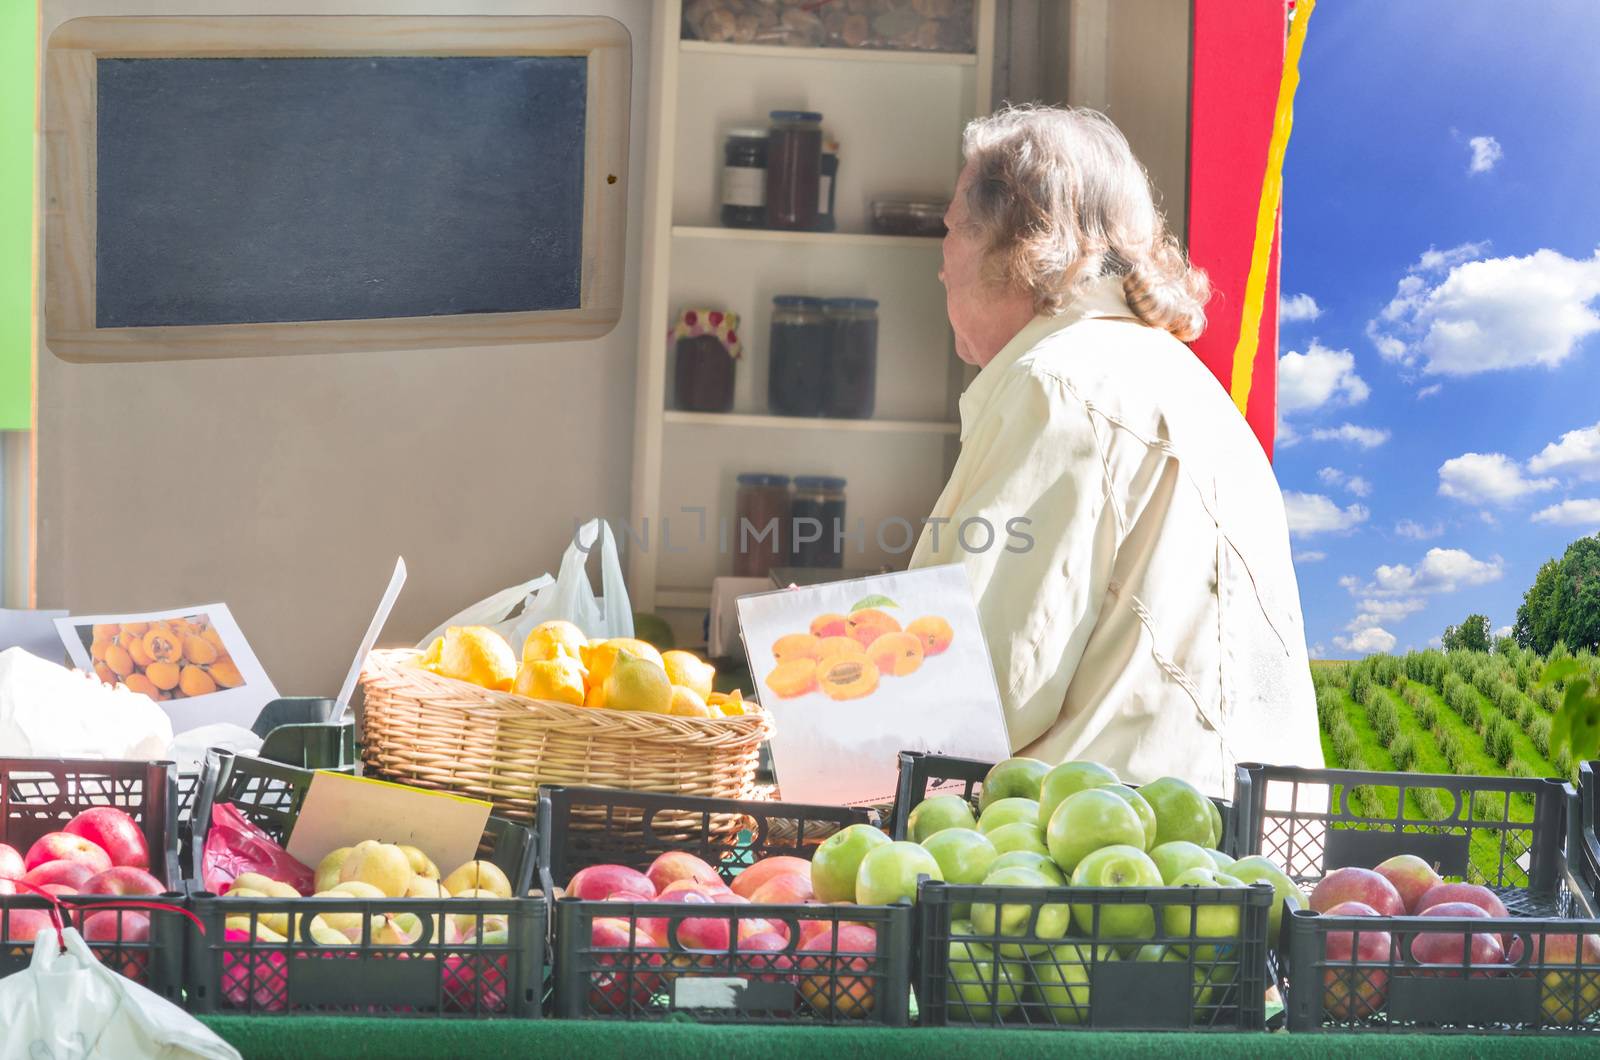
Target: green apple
{"x": 1012, "y": 778}
{"x": 1116, "y": 866}
{"x": 1259, "y": 869}
{"x": 1179, "y": 856}
{"x": 1221, "y": 922}
{"x": 964, "y": 856}
{"x": 1087, "y": 821}
{"x": 978, "y": 988}
{"x": 1015, "y": 920}
{"x": 931, "y": 816}
{"x": 1019, "y": 835}
{"x": 1031, "y": 859}
{"x": 1181, "y": 811}
{"x": 1147, "y": 816}
{"x": 888, "y": 873}
{"x": 1216, "y": 824}
{"x": 1067, "y": 779}
{"x": 1062, "y": 977}
{"x": 1221, "y": 860}
{"x": 1008, "y": 811}
{"x": 838, "y": 859}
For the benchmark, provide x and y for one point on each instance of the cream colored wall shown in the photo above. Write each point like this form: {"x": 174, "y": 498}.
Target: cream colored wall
{"x": 286, "y": 486}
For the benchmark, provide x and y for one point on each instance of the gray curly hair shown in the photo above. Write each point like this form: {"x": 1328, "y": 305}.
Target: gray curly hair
{"x": 1060, "y": 199}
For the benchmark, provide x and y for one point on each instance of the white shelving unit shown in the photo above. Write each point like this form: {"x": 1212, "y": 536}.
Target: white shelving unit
{"x": 898, "y": 118}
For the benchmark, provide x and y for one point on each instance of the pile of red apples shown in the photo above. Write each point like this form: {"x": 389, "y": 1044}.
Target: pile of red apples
{"x": 1407, "y": 885}
{"x": 100, "y": 851}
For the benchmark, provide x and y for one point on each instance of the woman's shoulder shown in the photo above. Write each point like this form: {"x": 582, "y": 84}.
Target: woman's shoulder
{"x": 1119, "y": 360}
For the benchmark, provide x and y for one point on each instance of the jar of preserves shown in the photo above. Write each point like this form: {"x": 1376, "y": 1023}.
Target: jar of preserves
{"x": 761, "y": 535}
{"x": 744, "y": 178}
{"x": 794, "y": 169}
{"x": 706, "y": 349}
{"x": 818, "y": 502}
{"x": 797, "y": 369}
{"x": 852, "y": 357}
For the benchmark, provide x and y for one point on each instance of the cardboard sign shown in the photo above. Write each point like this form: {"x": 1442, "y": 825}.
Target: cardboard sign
{"x": 857, "y": 671}
{"x": 341, "y": 810}
{"x": 193, "y": 660}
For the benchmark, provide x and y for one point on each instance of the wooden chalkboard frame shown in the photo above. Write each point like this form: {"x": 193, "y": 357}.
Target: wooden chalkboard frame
{"x": 69, "y": 219}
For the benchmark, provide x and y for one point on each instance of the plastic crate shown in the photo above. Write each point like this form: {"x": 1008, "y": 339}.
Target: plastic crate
{"x": 429, "y": 977}
{"x": 1310, "y": 821}
{"x": 723, "y": 984}
{"x": 1095, "y": 979}
{"x": 923, "y": 774}
{"x": 40, "y": 795}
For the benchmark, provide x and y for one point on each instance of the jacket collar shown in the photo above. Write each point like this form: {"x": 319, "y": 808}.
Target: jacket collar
{"x": 1102, "y": 297}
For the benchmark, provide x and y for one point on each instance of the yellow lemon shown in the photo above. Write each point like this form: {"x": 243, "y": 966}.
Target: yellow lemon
{"x": 728, "y": 704}
{"x": 636, "y": 683}
{"x": 430, "y": 658}
{"x": 550, "y": 639}
{"x": 558, "y": 679}
{"x": 686, "y": 703}
{"x": 688, "y": 670}
{"x": 480, "y": 655}
{"x": 600, "y": 656}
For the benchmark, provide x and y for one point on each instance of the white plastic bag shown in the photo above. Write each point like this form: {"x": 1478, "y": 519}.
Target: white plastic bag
{"x": 70, "y": 1005}
{"x": 49, "y": 711}
{"x": 491, "y": 610}
{"x": 572, "y": 597}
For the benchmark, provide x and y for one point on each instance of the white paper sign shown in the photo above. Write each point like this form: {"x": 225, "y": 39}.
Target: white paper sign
{"x": 215, "y": 679}
{"x": 857, "y": 671}
{"x": 385, "y": 605}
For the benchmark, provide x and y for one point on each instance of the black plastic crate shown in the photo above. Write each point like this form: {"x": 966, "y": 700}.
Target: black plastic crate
{"x": 719, "y": 982}
{"x": 1190, "y": 978}
{"x": 1583, "y": 846}
{"x": 40, "y": 795}
{"x": 923, "y": 774}
{"x": 431, "y": 976}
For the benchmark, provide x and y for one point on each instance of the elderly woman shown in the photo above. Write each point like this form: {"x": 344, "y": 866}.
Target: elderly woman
{"x": 1139, "y": 602}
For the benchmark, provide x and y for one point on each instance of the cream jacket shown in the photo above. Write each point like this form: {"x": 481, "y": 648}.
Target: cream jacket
{"x": 1154, "y": 623}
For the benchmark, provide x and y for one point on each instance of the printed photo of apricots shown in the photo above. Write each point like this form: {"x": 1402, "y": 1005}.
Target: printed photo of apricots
{"x": 848, "y": 656}
{"x": 168, "y": 658}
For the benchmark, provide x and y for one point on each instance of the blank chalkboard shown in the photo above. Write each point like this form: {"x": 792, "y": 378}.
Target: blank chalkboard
{"x": 263, "y": 190}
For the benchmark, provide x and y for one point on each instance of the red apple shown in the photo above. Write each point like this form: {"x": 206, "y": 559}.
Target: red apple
{"x": 761, "y": 926}
{"x": 1481, "y": 897}
{"x": 777, "y": 968}
{"x": 677, "y": 865}
{"x": 657, "y": 927}
{"x": 72, "y": 873}
{"x": 1411, "y": 876}
{"x": 1357, "y": 885}
{"x": 747, "y": 882}
{"x": 24, "y": 925}
{"x": 789, "y": 888}
{"x": 599, "y": 882}
{"x": 123, "y": 879}
{"x": 1355, "y": 992}
{"x": 58, "y": 889}
{"x": 1569, "y": 997}
{"x": 64, "y": 846}
{"x": 115, "y": 832}
{"x": 11, "y": 868}
{"x": 839, "y": 985}
{"x": 617, "y": 991}
{"x": 729, "y": 898}
{"x": 1449, "y": 947}
{"x": 810, "y": 929}
{"x": 699, "y": 888}
{"x": 104, "y": 927}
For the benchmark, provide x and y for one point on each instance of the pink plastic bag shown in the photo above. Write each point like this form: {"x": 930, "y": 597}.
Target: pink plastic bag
{"x": 234, "y": 847}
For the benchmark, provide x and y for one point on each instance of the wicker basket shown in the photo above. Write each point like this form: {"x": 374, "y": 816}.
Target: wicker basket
{"x": 437, "y": 732}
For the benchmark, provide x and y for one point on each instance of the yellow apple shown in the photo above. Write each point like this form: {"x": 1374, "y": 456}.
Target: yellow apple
{"x": 478, "y": 875}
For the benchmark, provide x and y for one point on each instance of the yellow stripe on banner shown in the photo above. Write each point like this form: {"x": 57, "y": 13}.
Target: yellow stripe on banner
{"x": 1244, "y": 354}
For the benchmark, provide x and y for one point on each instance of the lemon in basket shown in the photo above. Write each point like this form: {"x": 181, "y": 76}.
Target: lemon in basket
{"x": 687, "y": 670}
{"x": 637, "y": 683}
{"x": 559, "y": 679}
{"x": 686, "y": 703}
{"x": 477, "y": 654}
{"x": 600, "y": 655}
{"x": 548, "y": 640}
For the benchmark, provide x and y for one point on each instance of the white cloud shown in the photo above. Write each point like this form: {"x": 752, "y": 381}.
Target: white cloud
{"x": 1416, "y": 531}
{"x": 1503, "y": 631}
{"x": 1367, "y": 641}
{"x": 1442, "y": 570}
{"x": 1486, "y": 152}
{"x": 1436, "y": 642}
{"x": 1577, "y": 453}
{"x": 1310, "y": 556}
{"x": 1487, "y": 478}
{"x": 1297, "y": 307}
{"x": 1318, "y": 651}
{"x": 1319, "y": 377}
{"x": 1584, "y": 512}
{"x": 1355, "y": 484}
{"x": 1374, "y": 610}
{"x": 1490, "y": 314}
{"x": 1351, "y": 582}
{"x": 1352, "y": 434}
{"x": 1429, "y": 391}
{"x": 1312, "y": 513}
{"x": 1433, "y": 260}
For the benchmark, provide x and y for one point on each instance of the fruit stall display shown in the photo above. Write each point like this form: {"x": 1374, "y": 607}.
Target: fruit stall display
{"x": 93, "y": 834}
{"x": 1404, "y": 929}
{"x": 384, "y": 931}
{"x": 678, "y": 921}
{"x": 1067, "y": 899}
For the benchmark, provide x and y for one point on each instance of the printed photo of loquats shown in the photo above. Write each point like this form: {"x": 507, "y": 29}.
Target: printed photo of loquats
{"x": 168, "y": 658}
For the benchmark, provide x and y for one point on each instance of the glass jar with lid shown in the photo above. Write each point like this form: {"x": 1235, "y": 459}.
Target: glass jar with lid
{"x": 706, "y": 349}
{"x": 760, "y": 539}
{"x": 818, "y": 502}
{"x": 797, "y": 357}
{"x": 794, "y": 169}
{"x": 852, "y": 357}
{"x": 744, "y": 177}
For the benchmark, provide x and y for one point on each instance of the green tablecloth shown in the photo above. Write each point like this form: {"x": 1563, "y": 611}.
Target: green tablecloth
{"x": 307, "y": 1038}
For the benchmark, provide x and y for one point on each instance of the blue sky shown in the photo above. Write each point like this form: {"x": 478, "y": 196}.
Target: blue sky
{"x": 1439, "y": 371}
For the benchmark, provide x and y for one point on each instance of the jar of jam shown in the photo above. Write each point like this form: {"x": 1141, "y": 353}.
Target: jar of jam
{"x": 797, "y": 369}
{"x": 706, "y": 348}
{"x": 794, "y": 169}
{"x": 819, "y": 498}
{"x": 760, "y": 538}
{"x": 852, "y": 357}
{"x": 744, "y": 178}
{"x": 827, "y": 180}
